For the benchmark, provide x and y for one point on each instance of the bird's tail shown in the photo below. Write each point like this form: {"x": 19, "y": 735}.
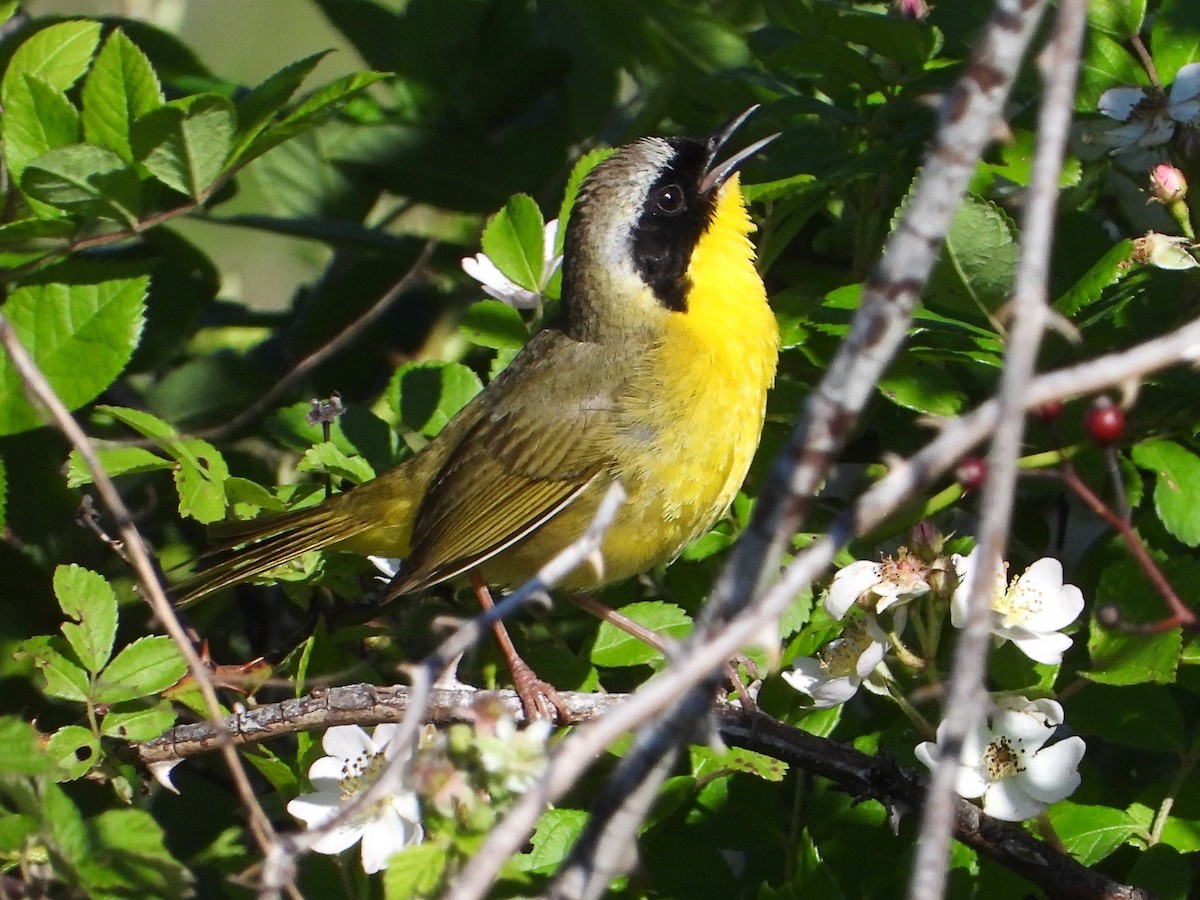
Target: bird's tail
{"x": 251, "y": 547}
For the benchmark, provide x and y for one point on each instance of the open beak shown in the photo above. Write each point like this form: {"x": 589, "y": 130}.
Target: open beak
{"x": 718, "y": 174}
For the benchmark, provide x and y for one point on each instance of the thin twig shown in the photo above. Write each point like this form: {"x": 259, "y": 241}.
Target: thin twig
{"x": 41, "y": 393}
{"x": 967, "y": 701}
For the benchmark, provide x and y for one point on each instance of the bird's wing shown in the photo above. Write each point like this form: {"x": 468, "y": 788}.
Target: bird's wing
{"x": 543, "y": 443}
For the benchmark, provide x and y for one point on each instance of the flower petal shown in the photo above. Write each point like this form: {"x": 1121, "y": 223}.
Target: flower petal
{"x": 313, "y": 809}
{"x": 1119, "y": 102}
{"x": 1186, "y": 88}
{"x": 347, "y": 742}
{"x": 1052, "y": 773}
{"x": 1043, "y": 648}
{"x": 326, "y": 773}
{"x": 1006, "y": 801}
{"x": 849, "y": 584}
{"x": 384, "y": 837}
{"x": 809, "y": 677}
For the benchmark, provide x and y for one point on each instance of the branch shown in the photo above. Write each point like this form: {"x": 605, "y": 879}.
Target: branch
{"x": 968, "y": 698}
{"x": 41, "y": 393}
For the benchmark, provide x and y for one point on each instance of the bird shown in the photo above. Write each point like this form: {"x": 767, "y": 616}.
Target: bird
{"x": 654, "y": 374}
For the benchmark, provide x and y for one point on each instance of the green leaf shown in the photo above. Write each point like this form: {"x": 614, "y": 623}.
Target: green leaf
{"x": 1163, "y": 872}
{"x": 121, "y": 87}
{"x": 116, "y": 461}
{"x": 923, "y": 387}
{"x": 21, "y": 749}
{"x": 17, "y": 831}
{"x": 513, "y": 240}
{"x": 200, "y": 481}
{"x": 1175, "y": 37}
{"x": 147, "y": 425}
{"x": 1139, "y": 716}
{"x": 1119, "y": 18}
{"x": 1090, "y": 833}
{"x": 557, "y": 831}
{"x": 427, "y": 395}
{"x": 613, "y": 647}
{"x": 760, "y": 765}
{"x": 263, "y": 102}
{"x": 80, "y": 330}
{"x": 86, "y": 180}
{"x": 317, "y": 107}
{"x": 65, "y": 828}
{"x": 1176, "y": 486}
{"x": 147, "y": 666}
{"x": 327, "y": 458}
{"x": 1119, "y": 658}
{"x": 75, "y": 750}
{"x": 1106, "y": 64}
{"x": 185, "y": 143}
{"x": 414, "y": 872}
{"x": 130, "y": 859}
{"x": 3, "y": 495}
{"x": 586, "y": 163}
{"x": 979, "y": 259}
{"x": 274, "y": 769}
{"x": 88, "y": 599}
{"x": 58, "y": 54}
{"x": 135, "y": 721}
{"x": 63, "y": 678}
{"x": 29, "y": 239}
{"x": 1107, "y": 271}
{"x": 40, "y": 119}
{"x": 491, "y": 323}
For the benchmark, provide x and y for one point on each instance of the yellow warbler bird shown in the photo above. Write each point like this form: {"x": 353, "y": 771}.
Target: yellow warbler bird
{"x": 654, "y": 375}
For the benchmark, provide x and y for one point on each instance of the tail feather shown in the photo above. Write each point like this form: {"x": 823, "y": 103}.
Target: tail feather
{"x": 252, "y": 547}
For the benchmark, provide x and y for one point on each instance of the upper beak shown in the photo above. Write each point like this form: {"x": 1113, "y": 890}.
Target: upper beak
{"x": 718, "y": 174}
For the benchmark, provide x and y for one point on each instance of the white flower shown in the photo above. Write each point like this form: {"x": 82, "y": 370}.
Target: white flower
{"x": 877, "y": 585}
{"x": 1164, "y": 251}
{"x": 1148, "y": 115}
{"x": 355, "y": 762}
{"x": 834, "y": 676}
{"x": 1005, "y": 761}
{"x": 518, "y": 757}
{"x": 497, "y": 284}
{"x": 1030, "y": 611}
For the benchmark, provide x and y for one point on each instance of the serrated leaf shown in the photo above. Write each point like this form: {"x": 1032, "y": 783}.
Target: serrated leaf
{"x": 318, "y": 106}
{"x": 979, "y": 259}
{"x": 490, "y": 323}
{"x": 116, "y": 461}
{"x": 135, "y": 721}
{"x": 1106, "y": 63}
{"x": 414, "y": 872}
{"x": 614, "y": 648}
{"x": 130, "y": 858}
{"x": 80, "y": 331}
{"x": 87, "y": 598}
{"x": 145, "y": 424}
{"x": 20, "y": 748}
{"x": 87, "y": 180}
{"x": 1176, "y": 486}
{"x": 39, "y": 119}
{"x": 923, "y": 387}
{"x": 121, "y": 87}
{"x": 65, "y": 826}
{"x": 1090, "y": 833}
{"x": 760, "y": 765}
{"x": 427, "y": 395}
{"x": 147, "y": 666}
{"x": 74, "y": 750}
{"x": 579, "y": 171}
{"x": 200, "y": 480}
{"x": 281, "y": 776}
{"x": 1106, "y": 271}
{"x": 63, "y": 678}
{"x": 513, "y": 240}
{"x": 265, "y": 100}
{"x": 557, "y": 831}
{"x": 1119, "y": 658}
{"x": 326, "y": 458}
{"x": 185, "y": 143}
{"x": 58, "y": 54}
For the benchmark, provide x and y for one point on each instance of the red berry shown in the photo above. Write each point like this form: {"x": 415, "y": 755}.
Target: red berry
{"x": 971, "y": 473}
{"x": 1049, "y": 411}
{"x": 1105, "y": 423}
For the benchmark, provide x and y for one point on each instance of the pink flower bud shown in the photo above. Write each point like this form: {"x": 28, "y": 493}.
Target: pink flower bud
{"x": 912, "y": 9}
{"x": 1167, "y": 183}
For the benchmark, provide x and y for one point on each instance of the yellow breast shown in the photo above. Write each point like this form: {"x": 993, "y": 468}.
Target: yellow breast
{"x": 702, "y": 397}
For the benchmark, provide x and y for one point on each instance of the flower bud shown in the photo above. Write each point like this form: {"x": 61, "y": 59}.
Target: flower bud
{"x": 1167, "y": 183}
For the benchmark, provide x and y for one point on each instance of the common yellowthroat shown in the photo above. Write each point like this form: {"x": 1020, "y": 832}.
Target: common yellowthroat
{"x": 655, "y": 375}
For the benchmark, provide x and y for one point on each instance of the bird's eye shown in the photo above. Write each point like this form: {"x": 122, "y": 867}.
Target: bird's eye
{"x": 669, "y": 199}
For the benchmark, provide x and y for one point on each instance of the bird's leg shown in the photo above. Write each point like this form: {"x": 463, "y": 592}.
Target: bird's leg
{"x": 653, "y": 639}
{"x": 538, "y": 698}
